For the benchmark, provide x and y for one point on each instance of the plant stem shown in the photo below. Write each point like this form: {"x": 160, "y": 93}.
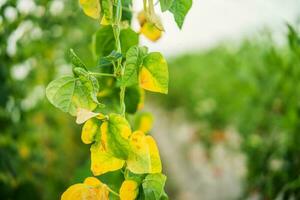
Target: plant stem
{"x": 145, "y": 5}
{"x": 116, "y": 30}
{"x": 101, "y": 74}
{"x": 115, "y": 193}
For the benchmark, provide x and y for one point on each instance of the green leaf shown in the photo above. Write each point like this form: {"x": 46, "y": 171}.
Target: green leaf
{"x": 132, "y": 176}
{"x": 179, "y": 9}
{"x": 153, "y": 186}
{"x": 132, "y": 99}
{"x": 115, "y": 136}
{"x": 165, "y": 4}
{"x": 154, "y": 74}
{"x": 107, "y": 60}
{"x": 89, "y": 81}
{"x": 68, "y": 93}
{"x": 134, "y": 60}
{"x": 75, "y": 60}
{"x": 107, "y": 7}
{"x": 128, "y": 38}
{"x": 126, "y": 10}
{"x": 104, "y": 41}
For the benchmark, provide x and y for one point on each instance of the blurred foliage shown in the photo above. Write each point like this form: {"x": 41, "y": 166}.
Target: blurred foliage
{"x": 37, "y": 143}
{"x": 254, "y": 88}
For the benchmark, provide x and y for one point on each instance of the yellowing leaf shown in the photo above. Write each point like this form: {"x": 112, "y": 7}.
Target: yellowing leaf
{"x": 114, "y": 136}
{"x": 92, "y": 181}
{"x": 144, "y": 156}
{"x": 154, "y": 74}
{"x": 156, "y": 166}
{"x": 144, "y": 122}
{"x": 129, "y": 190}
{"x": 83, "y": 115}
{"x": 91, "y": 189}
{"x": 91, "y": 8}
{"x": 102, "y": 162}
{"x": 89, "y": 131}
{"x": 151, "y": 32}
{"x": 139, "y": 159}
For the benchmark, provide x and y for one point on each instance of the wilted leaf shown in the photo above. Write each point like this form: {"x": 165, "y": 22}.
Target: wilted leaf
{"x": 151, "y": 31}
{"x": 83, "y": 115}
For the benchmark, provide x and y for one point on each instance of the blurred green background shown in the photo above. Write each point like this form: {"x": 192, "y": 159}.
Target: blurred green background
{"x": 229, "y": 128}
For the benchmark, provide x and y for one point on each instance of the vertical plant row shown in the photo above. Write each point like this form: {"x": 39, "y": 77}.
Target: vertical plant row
{"x": 107, "y": 99}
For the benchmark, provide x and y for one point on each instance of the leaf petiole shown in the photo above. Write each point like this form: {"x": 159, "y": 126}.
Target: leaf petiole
{"x": 113, "y": 192}
{"x": 101, "y": 74}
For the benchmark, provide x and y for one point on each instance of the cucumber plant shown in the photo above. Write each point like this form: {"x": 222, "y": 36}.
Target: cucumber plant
{"x": 104, "y": 98}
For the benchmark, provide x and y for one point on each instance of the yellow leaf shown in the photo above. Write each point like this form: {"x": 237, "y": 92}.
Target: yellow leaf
{"x": 91, "y": 8}
{"x": 150, "y": 31}
{"x": 102, "y": 162}
{"x": 89, "y": 131}
{"x": 144, "y": 157}
{"x": 154, "y": 155}
{"x": 144, "y": 122}
{"x": 91, "y": 189}
{"x": 129, "y": 190}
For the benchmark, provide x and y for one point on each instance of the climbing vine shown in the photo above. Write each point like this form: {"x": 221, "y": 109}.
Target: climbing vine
{"x": 104, "y": 98}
